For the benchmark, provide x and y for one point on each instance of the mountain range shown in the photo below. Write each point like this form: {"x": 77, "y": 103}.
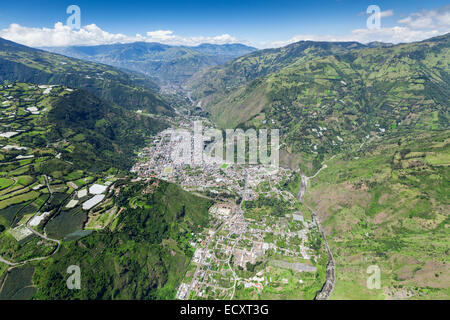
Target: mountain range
{"x": 372, "y": 119}
{"x": 165, "y": 64}
{"x": 326, "y": 96}
{"x": 130, "y": 90}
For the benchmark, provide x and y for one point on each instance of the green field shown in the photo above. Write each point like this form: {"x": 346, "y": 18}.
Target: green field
{"x": 148, "y": 229}
{"x": 18, "y": 284}
{"x": 389, "y": 208}
{"x": 6, "y": 182}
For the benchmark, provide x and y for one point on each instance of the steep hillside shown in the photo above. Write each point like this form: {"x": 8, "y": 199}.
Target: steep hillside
{"x": 103, "y": 134}
{"x": 55, "y": 142}
{"x": 144, "y": 258}
{"x": 167, "y": 64}
{"x": 88, "y": 131}
{"x": 224, "y": 79}
{"x": 327, "y": 97}
{"x": 388, "y": 205}
{"x": 58, "y": 146}
{"x": 24, "y": 64}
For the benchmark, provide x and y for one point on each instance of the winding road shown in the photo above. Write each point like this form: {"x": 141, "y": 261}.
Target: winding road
{"x": 328, "y": 286}
{"x": 27, "y": 225}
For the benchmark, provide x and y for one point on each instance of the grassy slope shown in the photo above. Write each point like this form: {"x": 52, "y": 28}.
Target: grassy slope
{"x": 75, "y": 139}
{"x": 102, "y": 134}
{"x": 390, "y": 208}
{"x": 353, "y": 91}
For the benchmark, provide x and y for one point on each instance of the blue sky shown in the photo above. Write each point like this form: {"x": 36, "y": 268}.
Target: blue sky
{"x": 261, "y": 23}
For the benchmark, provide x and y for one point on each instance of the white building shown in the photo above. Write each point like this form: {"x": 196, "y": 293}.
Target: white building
{"x": 93, "y": 201}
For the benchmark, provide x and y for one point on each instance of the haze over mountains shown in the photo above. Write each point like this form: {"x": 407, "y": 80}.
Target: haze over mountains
{"x": 25, "y": 64}
{"x": 166, "y": 64}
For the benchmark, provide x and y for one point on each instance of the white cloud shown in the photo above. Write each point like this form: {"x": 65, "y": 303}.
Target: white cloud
{"x": 62, "y": 35}
{"x": 415, "y": 27}
{"x": 167, "y": 36}
{"x": 389, "y": 35}
{"x": 387, "y": 13}
{"x": 395, "y": 34}
{"x": 429, "y": 19}
{"x": 162, "y": 35}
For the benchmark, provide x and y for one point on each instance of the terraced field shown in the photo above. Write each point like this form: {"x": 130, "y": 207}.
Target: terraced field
{"x": 42, "y": 192}
{"x": 326, "y": 97}
{"x": 388, "y": 205}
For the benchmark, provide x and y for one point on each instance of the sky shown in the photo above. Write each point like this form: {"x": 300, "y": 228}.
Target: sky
{"x": 259, "y": 23}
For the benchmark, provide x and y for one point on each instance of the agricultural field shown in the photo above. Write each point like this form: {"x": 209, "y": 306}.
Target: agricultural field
{"x": 17, "y": 284}
{"x": 44, "y": 196}
{"x": 388, "y": 205}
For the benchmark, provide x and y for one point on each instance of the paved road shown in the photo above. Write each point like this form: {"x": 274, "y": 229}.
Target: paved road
{"x": 27, "y": 225}
{"x": 328, "y": 287}
{"x": 9, "y": 263}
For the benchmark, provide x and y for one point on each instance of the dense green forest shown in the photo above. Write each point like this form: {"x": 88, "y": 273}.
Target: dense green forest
{"x": 102, "y": 134}
{"x": 144, "y": 258}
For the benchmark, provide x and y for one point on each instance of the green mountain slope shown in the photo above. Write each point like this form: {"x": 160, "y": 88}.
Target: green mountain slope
{"x": 53, "y": 141}
{"x": 24, "y": 64}
{"x": 388, "y": 205}
{"x": 55, "y": 144}
{"x": 167, "y": 64}
{"x": 102, "y": 134}
{"x": 378, "y": 115}
{"x": 91, "y": 132}
{"x": 223, "y": 79}
{"x": 145, "y": 258}
{"x": 328, "y": 97}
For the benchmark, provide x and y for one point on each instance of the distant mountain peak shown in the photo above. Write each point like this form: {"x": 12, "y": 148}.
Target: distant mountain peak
{"x": 168, "y": 64}
{"x": 379, "y": 44}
